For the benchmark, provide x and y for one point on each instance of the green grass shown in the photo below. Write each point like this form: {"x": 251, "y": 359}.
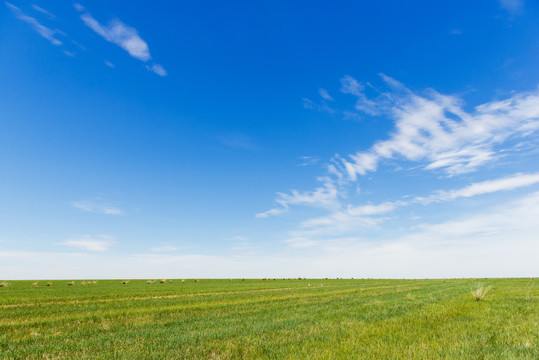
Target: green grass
{"x": 270, "y": 319}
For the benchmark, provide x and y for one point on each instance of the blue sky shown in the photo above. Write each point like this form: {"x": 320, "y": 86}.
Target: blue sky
{"x": 271, "y": 138}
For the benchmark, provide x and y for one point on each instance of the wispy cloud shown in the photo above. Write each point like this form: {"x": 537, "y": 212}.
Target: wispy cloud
{"x": 443, "y": 249}
{"x": 97, "y": 206}
{"x": 324, "y": 196}
{"x": 512, "y": 6}
{"x": 352, "y": 218}
{"x": 158, "y": 69}
{"x": 349, "y": 85}
{"x": 484, "y": 187}
{"x": 237, "y": 141}
{"x": 44, "y": 12}
{"x": 272, "y": 212}
{"x": 435, "y": 130}
{"x": 322, "y": 107}
{"x": 90, "y": 243}
{"x": 69, "y": 53}
{"x": 41, "y": 29}
{"x": 514, "y": 217}
{"x": 122, "y": 35}
{"x": 307, "y": 160}
{"x": 431, "y": 130}
{"x": 325, "y": 95}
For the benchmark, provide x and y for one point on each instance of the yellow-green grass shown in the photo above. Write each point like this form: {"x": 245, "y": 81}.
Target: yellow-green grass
{"x": 277, "y": 319}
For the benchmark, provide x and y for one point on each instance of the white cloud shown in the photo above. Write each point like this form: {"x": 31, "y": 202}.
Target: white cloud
{"x": 353, "y": 219}
{"x": 42, "y": 30}
{"x": 158, "y": 69}
{"x": 122, "y": 35}
{"x": 90, "y": 243}
{"x": 307, "y": 160}
{"x": 347, "y": 220}
{"x": 501, "y": 223}
{"x": 349, "y": 85}
{"x": 271, "y": 212}
{"x": 79, "y": 7}
{"x": 97, "y": 206}
{"x": 323, "y": 107}
{"x": 325, "y": 95}
{"x": 325, "y": 196}
{"x": 43, "y": 11}
{"x": 109, "y": 64}
{"x": 484, "y": 187}
{"x": 436, "y": 131}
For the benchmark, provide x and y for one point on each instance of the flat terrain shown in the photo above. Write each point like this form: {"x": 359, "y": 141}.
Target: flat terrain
{"x": 276, "y": 319}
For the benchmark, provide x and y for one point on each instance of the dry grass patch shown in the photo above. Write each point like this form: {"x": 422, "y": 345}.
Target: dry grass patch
{"x": 479, "y": 292}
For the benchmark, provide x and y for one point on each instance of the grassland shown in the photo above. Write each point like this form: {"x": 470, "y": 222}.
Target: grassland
{"x": 269, "y": 319}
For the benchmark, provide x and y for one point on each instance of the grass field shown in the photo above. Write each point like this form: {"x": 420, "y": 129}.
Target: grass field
{"x": 270, "y": 319}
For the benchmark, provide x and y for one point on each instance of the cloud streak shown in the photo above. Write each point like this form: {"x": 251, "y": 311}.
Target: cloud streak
{"x": 436, "y": 131}
{"x": 325, "y": 196}
{"x": 484, "y": 187}
{"x": 97, "y": 206}
{"x": 41, "y": 29}
{"x": 122, "y": 35}
{"x": 355, "y": 218}
{"x": 44, "y": 12}
{"x": 97, "y": 243}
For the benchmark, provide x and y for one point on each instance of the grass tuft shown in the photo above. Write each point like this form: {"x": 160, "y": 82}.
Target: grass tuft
{"x": 71, "y": 283}
{"x": 479, "y": 292}
{"x": 4, "y": 284}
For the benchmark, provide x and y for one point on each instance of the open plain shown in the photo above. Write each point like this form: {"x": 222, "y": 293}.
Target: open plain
{"x": 269, "y": 319}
